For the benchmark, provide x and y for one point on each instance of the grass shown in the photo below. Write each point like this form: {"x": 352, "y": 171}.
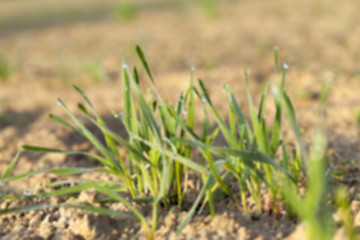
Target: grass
{"x": 158, "y": 163}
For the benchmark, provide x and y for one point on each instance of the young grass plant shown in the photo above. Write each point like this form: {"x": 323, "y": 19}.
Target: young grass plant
{"x": 155, "y": 168}
{"x": 161, "y": 138}
{"x": 251, "y": 153}
{"x": 314, "y": 207}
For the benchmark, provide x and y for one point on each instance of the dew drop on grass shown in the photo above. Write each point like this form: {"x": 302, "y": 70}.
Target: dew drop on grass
{"x": 285, "y": 66}
{"x": 58, "y": 103}
{"x": 26, "y": 193}
{"x": 203, "y": 99}
{"x": 185, "y": 112}
{"x": 225, "y": 87}
{"x": 193, "y": 68}
{"x": 125, "y": 66}
{"x": 275, "y": 91}
{"x": 277, "y": 48}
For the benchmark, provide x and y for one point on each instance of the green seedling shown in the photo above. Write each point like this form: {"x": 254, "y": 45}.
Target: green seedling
{"x": 313, "y": 207}
{"x": 155, "y": 168}
{"x": 251, "y": 154}
{"x": 161, "y": 138}
{"x": 343, "y": 204}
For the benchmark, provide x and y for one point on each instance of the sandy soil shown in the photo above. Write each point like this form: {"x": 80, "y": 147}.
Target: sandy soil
{"x": 318, "y": 39}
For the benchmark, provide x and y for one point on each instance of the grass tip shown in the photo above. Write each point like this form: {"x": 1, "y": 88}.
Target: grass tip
{"x": 226, "y": 86}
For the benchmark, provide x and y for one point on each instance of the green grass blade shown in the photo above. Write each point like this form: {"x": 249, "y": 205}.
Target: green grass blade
{"x": 254, "y": 118}
{"x": 82, "y": 93}
{"x": 148, "y": 113}
{"x": 250, "y": 157}
{"x": 67, "y": 152}
{"x": 242, "y": 122}
{"x": 65, "y": 123}
{"x": 191, "y": 104}
{"x": 139, "y": 156}
{"x": 110, "y": 193}
{"x": 276, "y": 59}
{"x": 144, "y": 62}
{"x": 209, "y": 181}
{"x": 263, "y": 101}
{"x": 225, "y": 131}
{"x": 290, "y": 111}
{"x": 60, "y": 171}
{"x": 107, "y": 154}
{"x": 127, "y": 99}
{"x": 276, "y": 129}
{"x": 11, "y": 166}
{"x": 185, "y": 161}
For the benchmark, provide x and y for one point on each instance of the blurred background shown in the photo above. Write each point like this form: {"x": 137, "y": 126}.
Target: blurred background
{"x": 69, "y": 40}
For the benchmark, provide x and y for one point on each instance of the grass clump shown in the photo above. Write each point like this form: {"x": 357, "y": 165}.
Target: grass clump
{"x": 159, "y": 163}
